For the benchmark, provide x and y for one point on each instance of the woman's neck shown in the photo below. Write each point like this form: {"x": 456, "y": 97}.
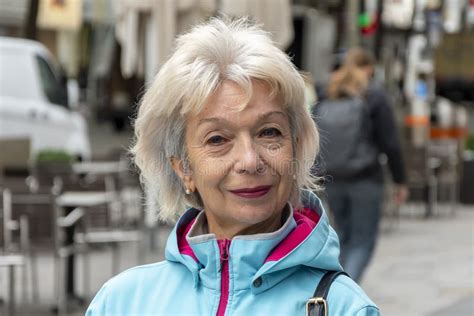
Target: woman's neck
{"x": 223, "y": 231}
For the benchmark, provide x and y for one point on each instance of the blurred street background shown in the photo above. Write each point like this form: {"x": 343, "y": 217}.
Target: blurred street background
{"x": 72, "y": 211}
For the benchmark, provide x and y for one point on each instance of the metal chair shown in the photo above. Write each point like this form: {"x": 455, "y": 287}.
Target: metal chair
{"x": 99, "y": 218}
{"x": 15, "y": 253}
{"x": 444, "y": 177}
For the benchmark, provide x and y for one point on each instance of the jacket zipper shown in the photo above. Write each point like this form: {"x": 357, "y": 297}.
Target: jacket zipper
{"x": 224, "y": 246}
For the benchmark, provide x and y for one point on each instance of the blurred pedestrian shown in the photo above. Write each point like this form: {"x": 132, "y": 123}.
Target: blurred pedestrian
{"x": 357, "y": 124}
{"x": 224, "y": 128}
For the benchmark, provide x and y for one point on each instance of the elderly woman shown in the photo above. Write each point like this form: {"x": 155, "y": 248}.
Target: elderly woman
{"x": 224, "y": 130}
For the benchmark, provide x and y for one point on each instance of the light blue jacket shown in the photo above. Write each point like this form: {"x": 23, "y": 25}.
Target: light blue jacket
{"x": 264, "y": 274}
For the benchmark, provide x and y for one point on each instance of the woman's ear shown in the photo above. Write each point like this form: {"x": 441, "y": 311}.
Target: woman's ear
{"x": 182, "y": 171}
{"x": 177, "y": 166}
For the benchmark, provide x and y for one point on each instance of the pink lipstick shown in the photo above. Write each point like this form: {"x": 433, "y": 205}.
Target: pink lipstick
{"x": 252, "y": 193}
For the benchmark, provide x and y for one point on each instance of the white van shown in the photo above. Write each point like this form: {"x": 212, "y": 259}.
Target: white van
{"x": 34, "y": 101}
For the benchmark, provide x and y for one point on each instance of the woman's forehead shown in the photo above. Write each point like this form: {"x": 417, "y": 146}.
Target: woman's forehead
{"x": 230, "y": 102}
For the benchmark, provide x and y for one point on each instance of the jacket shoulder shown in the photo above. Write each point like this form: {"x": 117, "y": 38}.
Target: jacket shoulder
{"x": 135, "y": 274}
{"x": 135, "y": 283}
{"x": 352, "y": 297}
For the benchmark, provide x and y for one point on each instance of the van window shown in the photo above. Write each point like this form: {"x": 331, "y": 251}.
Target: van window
{"x": 54, "y": 90}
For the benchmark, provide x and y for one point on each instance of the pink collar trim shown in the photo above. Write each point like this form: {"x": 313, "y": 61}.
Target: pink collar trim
{"x": 183, "y": 244}
{"x": 306, "y": 221}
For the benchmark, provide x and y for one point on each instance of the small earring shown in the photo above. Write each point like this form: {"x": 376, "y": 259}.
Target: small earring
{"x": 187, "y": 191}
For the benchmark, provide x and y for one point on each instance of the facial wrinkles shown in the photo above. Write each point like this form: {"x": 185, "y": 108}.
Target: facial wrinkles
{"x": 243, "y": 147}
{"x": 246, "y": 150}
{"x": 232, "y": 129}
{"x": 230, "y": 149}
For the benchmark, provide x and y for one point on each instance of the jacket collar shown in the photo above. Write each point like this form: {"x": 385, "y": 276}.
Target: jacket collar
{"x": 305, "y": 238}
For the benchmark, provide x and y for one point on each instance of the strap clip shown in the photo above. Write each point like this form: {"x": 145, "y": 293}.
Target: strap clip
{"x": 312, "y": 302}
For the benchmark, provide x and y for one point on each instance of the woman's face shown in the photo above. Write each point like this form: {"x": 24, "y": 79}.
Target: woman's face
{"x": 240, "y": 161}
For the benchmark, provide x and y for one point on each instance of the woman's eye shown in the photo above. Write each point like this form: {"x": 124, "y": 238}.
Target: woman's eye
{"x": 270, "y": 132}
{"x": 216, "y": 140}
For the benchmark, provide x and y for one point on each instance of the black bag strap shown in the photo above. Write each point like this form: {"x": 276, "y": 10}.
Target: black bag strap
{"x": 317, "y": 305}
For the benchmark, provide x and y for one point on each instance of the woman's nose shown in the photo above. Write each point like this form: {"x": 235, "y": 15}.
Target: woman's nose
{"x": 247, "y": 157}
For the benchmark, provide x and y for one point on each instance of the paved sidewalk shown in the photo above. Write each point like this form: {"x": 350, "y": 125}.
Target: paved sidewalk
{"x": 425, "y": 267}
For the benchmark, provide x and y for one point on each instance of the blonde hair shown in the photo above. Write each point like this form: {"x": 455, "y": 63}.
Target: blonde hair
{"x": 219, "y": 50}
{"x": 359, "y": 57}
{"x": 350, "y": 80}
{"x": 347, "y": 81}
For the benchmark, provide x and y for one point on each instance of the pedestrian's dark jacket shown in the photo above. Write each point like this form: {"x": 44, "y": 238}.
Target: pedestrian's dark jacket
{"x": 384, "y": 134}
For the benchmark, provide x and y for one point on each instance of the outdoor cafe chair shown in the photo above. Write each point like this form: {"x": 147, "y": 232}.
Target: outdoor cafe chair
{"x": 15, "y": 252}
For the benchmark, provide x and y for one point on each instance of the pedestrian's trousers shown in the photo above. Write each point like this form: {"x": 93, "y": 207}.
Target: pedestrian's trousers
{"x": 356, "y": 206}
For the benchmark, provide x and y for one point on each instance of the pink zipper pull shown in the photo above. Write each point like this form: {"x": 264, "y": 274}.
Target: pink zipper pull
{"x": 224, "y": 246}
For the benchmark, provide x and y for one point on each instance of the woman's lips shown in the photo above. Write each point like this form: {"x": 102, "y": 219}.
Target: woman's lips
{"x": 252, "y": 192}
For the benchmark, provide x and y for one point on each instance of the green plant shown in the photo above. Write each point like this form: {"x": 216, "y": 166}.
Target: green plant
{"x": 50, "y": 155}
{"x": 470, "y": 142}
